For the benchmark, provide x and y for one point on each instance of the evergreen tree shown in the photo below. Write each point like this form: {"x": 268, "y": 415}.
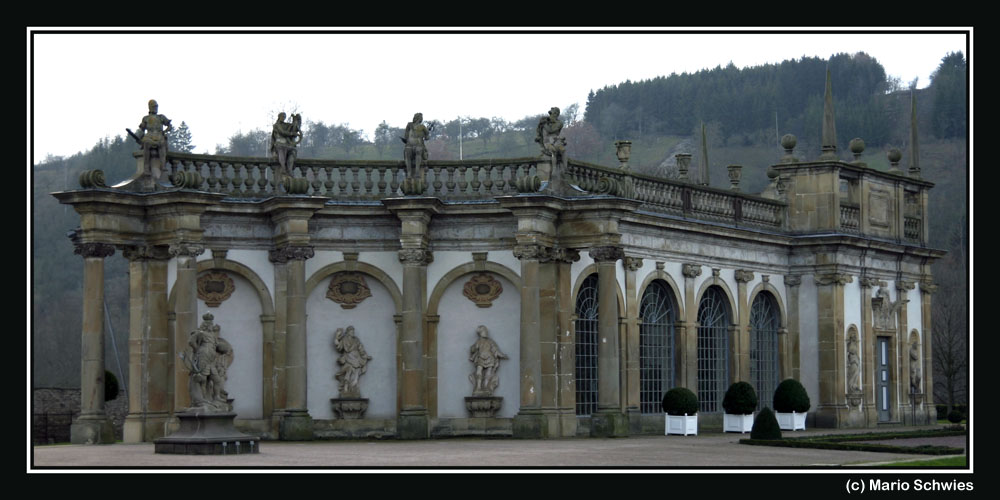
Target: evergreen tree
{"x": 949, "y": 84}
{"x": 179, "y": 140}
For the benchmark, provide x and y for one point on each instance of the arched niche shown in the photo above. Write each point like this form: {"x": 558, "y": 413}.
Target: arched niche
{"x": 375, "y": 319}
{"x": 452, "y": 320}
{"x": 250, "y": 378}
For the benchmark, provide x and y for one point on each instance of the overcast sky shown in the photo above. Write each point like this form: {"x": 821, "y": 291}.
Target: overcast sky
{"x": 85, "y": 86}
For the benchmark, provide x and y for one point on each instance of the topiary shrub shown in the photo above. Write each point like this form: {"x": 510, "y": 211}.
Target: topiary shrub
{"x": 955, "y": 416}
{"x": 741, "y": 399}
{"x": 110, "y": 386}
{"x": 765, "y": 426}
{"x": 680, "y": 401}
{"x": 790, "y": 397}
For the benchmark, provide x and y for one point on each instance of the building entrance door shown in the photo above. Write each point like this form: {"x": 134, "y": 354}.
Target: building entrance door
{"x": 882, "y": 379}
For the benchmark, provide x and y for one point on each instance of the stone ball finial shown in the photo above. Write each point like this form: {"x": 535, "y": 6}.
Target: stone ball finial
{"x": 894, "y": 155}
{"x": 857, "y": 145}
{"x": 788, "y": 141}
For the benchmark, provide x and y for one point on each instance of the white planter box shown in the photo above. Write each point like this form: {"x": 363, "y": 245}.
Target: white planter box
{"x": 737, "y": 423}
{"x": 791, "y": 421}
{"x": 682, "y": 424}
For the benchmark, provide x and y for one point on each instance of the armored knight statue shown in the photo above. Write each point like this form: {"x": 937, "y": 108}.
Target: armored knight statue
{"x": 353, "y": 362}
{"x": 285, "y": 138}
{"x": 207, "y": 358}
{"x": 486, "y": 355}
{"x": 152, "y": 134}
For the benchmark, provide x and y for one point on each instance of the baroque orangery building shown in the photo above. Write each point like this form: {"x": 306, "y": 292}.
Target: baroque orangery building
{"x": 602, "y": 288}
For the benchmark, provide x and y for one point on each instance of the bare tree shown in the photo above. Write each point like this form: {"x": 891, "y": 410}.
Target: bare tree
{"x": 951, "y": 325}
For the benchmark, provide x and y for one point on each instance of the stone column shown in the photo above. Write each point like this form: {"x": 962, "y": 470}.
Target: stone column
{"x": 909, "y": 407}
{"x": 93, "y": 425}
{"x": 869, "y": 348}
{"x": 687, "y": 348}
{"x": 741, "y": 351}
{"x": 608, "y": 421}
{"x": 413, "y": 421}
{"x": 632, "y": 376}
{"x": 296, "y": 424}
{"x": 529, "y": 421}
{"x": 149, "y": 343}
{"x": 926, "y": 289}
{"x": 185, "y": 313}
{"x": 831, "y": 410}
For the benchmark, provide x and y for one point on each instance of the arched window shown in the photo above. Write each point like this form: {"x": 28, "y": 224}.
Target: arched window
{"x": 656, "y": 345}
{"x": 764, "y": 365}
{"x": 713, "y": 349}
{"x": 586, "y": 347}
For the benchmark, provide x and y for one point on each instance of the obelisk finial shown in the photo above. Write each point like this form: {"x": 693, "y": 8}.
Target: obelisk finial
{"x": 829, "y": 146}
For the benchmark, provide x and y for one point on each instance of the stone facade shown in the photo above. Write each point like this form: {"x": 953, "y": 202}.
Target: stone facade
{"x": 790, "y": 285}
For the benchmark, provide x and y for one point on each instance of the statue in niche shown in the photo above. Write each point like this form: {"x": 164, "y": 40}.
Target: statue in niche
{"x": 914, "y": 364}
{"x": 853, "y": 365}
{"x": 285, "y": 138}
{"x": 207, "y": 359}
{"x": 884, "y": 310}
{"x": 152, "y": 134}
{"x": 353, "y": 362}
{"x": 415, "y": 151}
{"x": 486, "y": 355}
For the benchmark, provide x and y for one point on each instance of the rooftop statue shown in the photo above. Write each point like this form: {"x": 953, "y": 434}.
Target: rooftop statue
{"x": 152, "y": 134}
{"x": 547, "y": 135}
{"x": 285, "y": 138}
{"x": 207, "y": 358}
{"x": 415, "y": 153}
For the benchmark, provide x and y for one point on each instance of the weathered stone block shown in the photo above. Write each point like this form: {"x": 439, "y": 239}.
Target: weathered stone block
{"x": 412, "y": 427}
{"x": 609, "y": 424}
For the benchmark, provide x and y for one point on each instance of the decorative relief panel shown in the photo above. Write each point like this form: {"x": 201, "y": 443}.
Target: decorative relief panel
{"x": 215, "y": 287}
{"x": 348, "y": 289}
{"x": 482, "y": 289}
{"x": 879, "y": 211}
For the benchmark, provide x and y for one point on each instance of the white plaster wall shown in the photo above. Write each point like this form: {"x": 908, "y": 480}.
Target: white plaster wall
{"x": 674, "y": 269}
{"x": 374, "y": 326}
{"x": 239, "y": 319}
{"x": 914, "y": 318}
{"x": 321, "y": 259}
{"x": 256, "y": 260}
{"x": 388, "y": 262}
{"x": 457, "y": 332}
{"x": 809, "y": 337}
{"x": 504, "y": 257}
{"x": 577, "y": 267}
{"x": 444, "y": 262}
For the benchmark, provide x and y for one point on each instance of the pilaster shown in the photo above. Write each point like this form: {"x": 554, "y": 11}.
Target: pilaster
{"x": 927, "y": 288}
{"x": 185, "y": 313}
{"x": 631, "y": 347}
{"x": 870, "y": 349}
{"x": 688, "y": 331}
{"x": 741, "y": 349}
{"x": 791, "y": 363}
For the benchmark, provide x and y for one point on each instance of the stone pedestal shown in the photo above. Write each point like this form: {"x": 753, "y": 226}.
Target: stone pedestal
{"x": 349, "y": 408}
{"x": 483, "y": 406}
{"x": 207, "y": 434}
{"x": 608, "y": 424}
{"x": 296, "y": 425}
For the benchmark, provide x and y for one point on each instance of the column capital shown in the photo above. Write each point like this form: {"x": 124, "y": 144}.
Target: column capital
{"x": 904, "y": 285}
{"x": 286, "y": 253}
{"x": 867, "y": 282}
{"x": 633, "y": 263}
{"x": 833, "y": 278}
{"x": 534, "y": 251}
{"x": 145, "y": 252}
{"x": 744, "y": 276}
{"x": 565, "y": 255}
{"x": 87, "y": 250}
{"x": 415, "y": 256}
{"x": 186, "y": 249}
{"x": 927, "y": 286}
{"x": 607, "y": 254}
{"x": 691, "y": 270}
{"x": 793, "y": 280}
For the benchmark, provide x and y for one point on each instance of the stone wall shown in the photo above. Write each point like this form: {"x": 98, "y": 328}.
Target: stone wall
{"x": 53, "y": 410}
